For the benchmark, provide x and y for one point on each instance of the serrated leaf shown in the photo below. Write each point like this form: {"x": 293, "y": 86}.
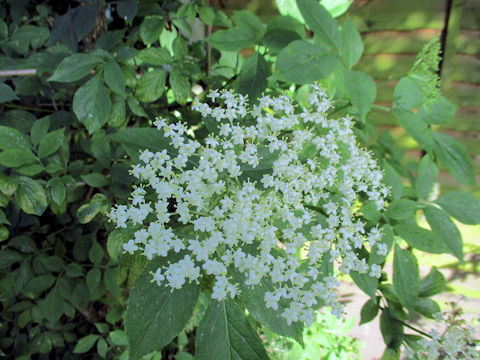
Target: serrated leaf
{"x": 361, "y": 90}
{"x": 432, "y": 284}
{"x": 75, "y": 67}
{"x": 427, "y": 307}
{"x": 302, "y": 63}
{"x": 407, "y": 94}
{"x": 462, "y": 205}
{"x": 116, "y": 239}
{"x": 320, "y": 22}
{"x": 441, "y": 111}
{"x": 156, "y": 314}
{"x": 50, "y": 143}
{"x": 151, "y": 85}
{"x": 253, "y": 77}
{"x": 455, "y": 158}
{"x": 446, "y": 229}
{"x": 402, "y": 208}
{"x": 151, "y": 29}
{"x": 421, "y": 239}
{"x": 16, "y": 157}
{"x": 405, "y": 277}
{"x": 31, "y": 196}
{"x": 365, "y": 282}
{"x": 136, "y": 139}
{"x": 225, "y": 334}
{"x": 91, "y": 104}
{"x": 155, "y": 56}
{"x": 180, "y": 85}
{"x": 12, "y": 138}
{"x": 393, "y": 180}
{"x": 254, "y": 299}
{"x": 415, "y": 127}
{"x": 427, "y": 174}
{"x": 352, "y": 49}
{"x": 114, "y": 77}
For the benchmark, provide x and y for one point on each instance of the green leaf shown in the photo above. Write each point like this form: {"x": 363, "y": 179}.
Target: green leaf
{"x": 7, "y": 94}
{"x": 3, "y": 218}
{"x": 8, "y": 185}
{"x": 93, "y": 279}
{"x": 407, "y": 94}
{"x": 179, "y": 48}
{"x": 151, "y": 29}
{"x": 31, "y": 196}
{"x": 415, "y": 127}
{"x": 405, "y": 277}
{"x": 369, "y": 311}
{"x": 85, "y": 344}
{"x": 320, "y": 22}
{"x": 254, "y": 299}
{"x": 117, "y": 112}
{"x": 118, "y": 338}
{"x": 455, "y": 158}
{"x": 114, "y": 77}
{"x": 281, "y": 31}
{"x": 4, "y": 233}
{"x": 432, "y": 284}
{"x": 207, "y": 15}
{"x": 127, "y": 9}
{"x": 180, "y": 85}
{"x": 102, "y": 347}
{"x": 234, "y": 39}
{"x": 387, "y": 239}
{"x": 393, "y": 180}
{"x": 57, "y": 190}
{"x": 88, "y": 211}
{"x": 16, "y": 157}
{"x": 402, "y": 209}
{"x": 12, "y": 138}
{"x": 75, "y": 67}
{"x": 352, "y": 49}
{"x": 225, "y": 334}
{"x": 441, "y": 111}
{"x": 39, "y": 129}
{"x": 336, "y": 8}
{"x": 421, "y": 239}
{"x": 365, "y": 282}
{"x": 100, "y": 148}
{"x": 96, "y": 253}
{"x": 302, "y": 63}
{"x": 253, "y": 77}
{"x": 95, "y": 179}
{"x": 361, "y": 90}
{"x": 462, "y": 205}
{"x": 427, "y": 174}
{"x": 52, "y": 305}
{"x": 136, "y": 139}
{"x": 427, "y": 307}
{"x": 51, "y": 143}
{"x": 441, "y": 224}
{"x": 155, "y": 56}
{"x": 116, "y": 239}
{"x": 156, "y": 314}
{"x": 91, "y": 104}
{"x": 151, "y": 85}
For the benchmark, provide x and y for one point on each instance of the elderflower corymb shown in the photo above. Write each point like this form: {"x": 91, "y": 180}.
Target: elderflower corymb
{"x": 269, "y": 195}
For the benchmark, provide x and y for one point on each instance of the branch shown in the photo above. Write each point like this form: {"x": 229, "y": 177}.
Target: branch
{"x": 18, "y": 72}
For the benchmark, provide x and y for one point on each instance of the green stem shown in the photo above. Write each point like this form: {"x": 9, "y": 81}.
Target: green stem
{"x": 13, "y": 106}
{"x": 381, "y": 108}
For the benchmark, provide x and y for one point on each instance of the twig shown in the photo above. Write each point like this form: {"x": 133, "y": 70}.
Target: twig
{"x": 18, "y": 72}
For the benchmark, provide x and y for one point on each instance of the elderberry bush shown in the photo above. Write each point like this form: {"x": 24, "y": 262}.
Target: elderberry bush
{"x": 288, "y": 225}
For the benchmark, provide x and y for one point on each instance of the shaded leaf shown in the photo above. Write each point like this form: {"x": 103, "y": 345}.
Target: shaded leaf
{"x": 151, "y": 85}
{"x": 50, "y": 143}
{"x": 253, "y": 77}
{"x": 31, "y": 196}
{"x": 75, "y": 67}
{"x": 462, "y": 205}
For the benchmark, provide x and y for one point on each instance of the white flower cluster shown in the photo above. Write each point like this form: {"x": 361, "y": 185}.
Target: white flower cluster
{"x": 457, "y": 341}
{"x": 286, "y": 224}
